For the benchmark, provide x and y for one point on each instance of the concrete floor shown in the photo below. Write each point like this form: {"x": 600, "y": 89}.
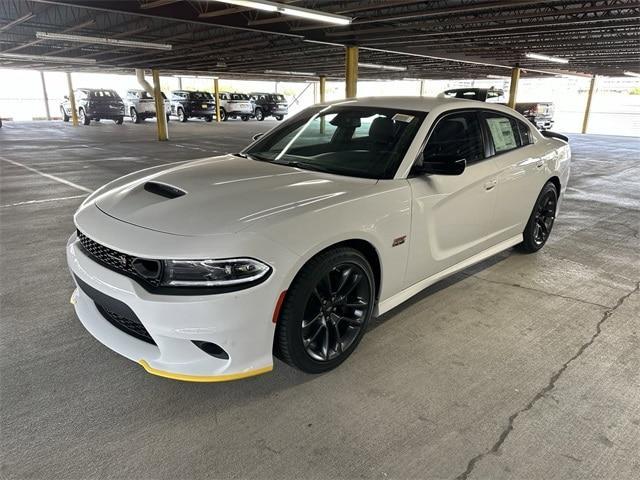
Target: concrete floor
{"x": 527, "y": 366}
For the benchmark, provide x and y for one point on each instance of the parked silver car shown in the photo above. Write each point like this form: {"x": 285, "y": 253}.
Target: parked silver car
{"x": 139, "y": 105}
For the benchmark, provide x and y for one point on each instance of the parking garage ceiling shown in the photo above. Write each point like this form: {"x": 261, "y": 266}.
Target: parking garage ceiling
{"x": 431, "y": 39}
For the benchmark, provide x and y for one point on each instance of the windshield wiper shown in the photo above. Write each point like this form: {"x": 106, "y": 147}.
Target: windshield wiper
{"x": 303, "y": 165}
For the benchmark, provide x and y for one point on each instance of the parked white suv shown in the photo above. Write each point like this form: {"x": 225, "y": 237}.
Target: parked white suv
{"x": 139, "y": 104}
{"x": 233, "y": 105}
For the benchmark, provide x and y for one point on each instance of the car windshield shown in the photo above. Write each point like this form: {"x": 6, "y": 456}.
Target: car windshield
{"x": 367, "y": 142}
{"x": 106, "y": 94}
{"x": 200, "y": 95}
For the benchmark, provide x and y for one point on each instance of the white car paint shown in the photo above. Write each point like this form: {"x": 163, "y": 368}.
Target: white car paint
{"x": 283, "y": 216}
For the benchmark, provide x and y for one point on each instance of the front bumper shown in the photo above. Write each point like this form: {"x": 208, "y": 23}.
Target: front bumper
{"x": 239, "y": 322}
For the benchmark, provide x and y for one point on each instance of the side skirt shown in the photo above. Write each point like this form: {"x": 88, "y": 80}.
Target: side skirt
{"x": 404, "y": 295}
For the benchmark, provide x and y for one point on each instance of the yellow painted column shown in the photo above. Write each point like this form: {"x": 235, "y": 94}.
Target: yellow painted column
{"x": 351, "y": 72}
{"x": 72, "y": 101}
{"x": 161, "y": 115}
{"x": 216, "y": 89}
{"x": 587, "y": 111}
{"x": 513, "y": 87}
{"x": 323, "y": 94}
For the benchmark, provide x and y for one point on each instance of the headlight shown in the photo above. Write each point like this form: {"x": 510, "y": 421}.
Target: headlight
{"x": 212, "y": 273}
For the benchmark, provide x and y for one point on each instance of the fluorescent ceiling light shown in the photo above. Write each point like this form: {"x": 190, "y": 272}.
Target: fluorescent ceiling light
{"x": 102, "y": 41}
{"x": 199, "y": 77}
{"x": 546, "y": 58}
{"x": 498, "y": 77}
{"x": 274, "y": 7}
{"x": 383, "y": 67}
{"x": 47, "y": 58}
{"x": 632, "y": 74}
{"x": 285, "y": 72}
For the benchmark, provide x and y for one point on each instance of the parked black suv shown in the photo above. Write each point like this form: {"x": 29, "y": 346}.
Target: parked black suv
{"x": 186, "y": 104}
{"x": 269, "y": 105}
{"x": 94, "y": 104}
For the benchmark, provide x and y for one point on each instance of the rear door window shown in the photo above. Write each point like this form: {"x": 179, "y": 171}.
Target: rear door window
{"x": 504, "y": 132}
{"x": 457, "y": 135}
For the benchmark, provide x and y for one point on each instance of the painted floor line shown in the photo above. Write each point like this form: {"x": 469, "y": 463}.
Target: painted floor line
{"x": 47, "y": 175}
{"x": 44, "y": 200}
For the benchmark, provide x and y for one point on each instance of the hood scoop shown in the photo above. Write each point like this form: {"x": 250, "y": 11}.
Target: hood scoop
{"x": 164, "y": 190}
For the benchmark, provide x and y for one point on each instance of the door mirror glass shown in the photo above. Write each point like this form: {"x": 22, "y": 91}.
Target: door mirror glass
{"x": 441, "y": 165}
{"x": 257, "y": 136}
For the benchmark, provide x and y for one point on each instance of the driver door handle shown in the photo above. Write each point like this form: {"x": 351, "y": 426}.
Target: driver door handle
{"x": 491, "y": 184}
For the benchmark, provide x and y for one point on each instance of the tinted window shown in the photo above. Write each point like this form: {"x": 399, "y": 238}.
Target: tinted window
{"x": 456, "y": 136}
{"x": 325, "y": 139}
{"x": 525, "y": 133}
{"x": 503, "y": 131}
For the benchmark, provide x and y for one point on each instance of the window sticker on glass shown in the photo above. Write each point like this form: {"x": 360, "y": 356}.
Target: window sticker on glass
{"x": 402, "y": 117}
{"x": 502, "y": 133}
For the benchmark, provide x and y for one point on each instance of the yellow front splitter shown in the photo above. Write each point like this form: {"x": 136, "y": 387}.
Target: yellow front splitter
{"x": 203, "y": 378}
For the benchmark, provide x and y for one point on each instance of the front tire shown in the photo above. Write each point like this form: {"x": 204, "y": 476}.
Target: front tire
{"x": 181, "y": 115}
{"x": 279, "y": 117}
{"x": 223, "y": 115}
{"x": 540, "y": 223}
{"x": 259, "y": 114}
{"x": 84, "y": 119}
{"x": 119, "y": 120}
{"x": 326, "y": 311}
{"x": 135, "y": 118}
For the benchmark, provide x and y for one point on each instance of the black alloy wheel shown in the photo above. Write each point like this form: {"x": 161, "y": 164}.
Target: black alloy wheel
{"x": 540, "y": 223}
{"x": 326, "y": 311}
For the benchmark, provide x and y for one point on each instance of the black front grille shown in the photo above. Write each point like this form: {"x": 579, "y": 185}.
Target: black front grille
{"x": 132, "y": 326}
{"x": 117, "y": 313}
{"x": 120, "y": 262}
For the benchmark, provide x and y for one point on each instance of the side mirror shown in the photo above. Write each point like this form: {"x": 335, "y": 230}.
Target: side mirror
{"x": 440, "y": 166}
{"x": 257, "y": 136}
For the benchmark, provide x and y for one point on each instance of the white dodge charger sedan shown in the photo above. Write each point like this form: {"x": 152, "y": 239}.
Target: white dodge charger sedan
{"x": 204, "y": 270}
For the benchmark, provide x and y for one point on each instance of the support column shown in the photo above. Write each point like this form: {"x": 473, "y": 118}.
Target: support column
{"x": 587, "y": 110}
{"x": 513, "y": 88}
{"x": 216, "y": 91}
{"x": 179, "y": 83}
{"x": 322, "y": 86}
{"x": 46, "y": 97}
{"x": 422, "y": 85}
{"x": 351, "y": 72}
{"x": 72, "y": 101}
{"x": 161, "y": 114}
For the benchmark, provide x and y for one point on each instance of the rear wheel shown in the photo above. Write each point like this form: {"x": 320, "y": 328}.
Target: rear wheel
{"x": 65, "y": 117}
{"x": 279, "y": 117}
{"x": 119, "y": 120}
{"x": 181, "y": 115}
{"x": 84, "y": 119}
{"x": 135, "y": 118}
{"x": 244, "y": 118}
{"x": 326, "y": 311}
{"x": 208, "y": 118}
{"x": 259, "y": 114}
{"x": 540, "y": 223}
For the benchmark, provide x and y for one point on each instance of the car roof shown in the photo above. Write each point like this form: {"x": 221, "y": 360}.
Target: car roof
{"x": 421, "y": 104}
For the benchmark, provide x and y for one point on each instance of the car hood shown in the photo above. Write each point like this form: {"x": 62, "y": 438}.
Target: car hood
{"x": 224, "y": 195}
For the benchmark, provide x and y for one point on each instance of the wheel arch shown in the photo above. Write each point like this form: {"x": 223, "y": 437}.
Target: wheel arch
{"x": 556, "y": 182}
